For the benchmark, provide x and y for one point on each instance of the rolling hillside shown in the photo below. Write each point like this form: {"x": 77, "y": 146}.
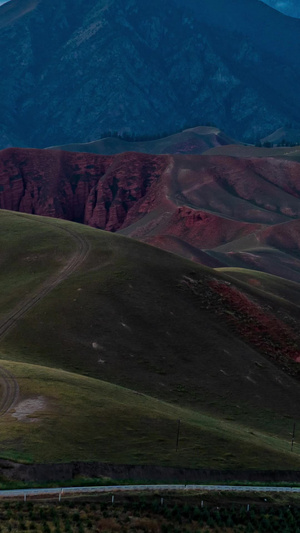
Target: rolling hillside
{"x": 190, "y": 141}
{"x": 130, "y": 323}
{"x": 235, "y": 150}
{"x": 289, "y": 135}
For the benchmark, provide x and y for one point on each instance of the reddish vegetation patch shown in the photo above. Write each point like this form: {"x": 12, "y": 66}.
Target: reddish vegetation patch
{"x": 192, "y": 146}
{"x": 254, "y": 282}
{"x": 257, "y": 326}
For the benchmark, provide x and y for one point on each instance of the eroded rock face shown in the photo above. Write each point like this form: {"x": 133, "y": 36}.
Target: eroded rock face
{"x": 128, "y": 190}
{"x": 102, "y": 191}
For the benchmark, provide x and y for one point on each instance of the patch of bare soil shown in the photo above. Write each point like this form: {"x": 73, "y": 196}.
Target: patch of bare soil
{"x": 25, "y": 409}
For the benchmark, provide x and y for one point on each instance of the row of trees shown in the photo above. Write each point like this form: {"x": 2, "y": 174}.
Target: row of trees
{"x": 269, "y": 144}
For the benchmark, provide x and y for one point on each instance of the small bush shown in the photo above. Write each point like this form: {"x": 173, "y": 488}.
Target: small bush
{"x": 148, "y": 525}
{"x": 46, "y": 528}
{"x": 108, "y": 524}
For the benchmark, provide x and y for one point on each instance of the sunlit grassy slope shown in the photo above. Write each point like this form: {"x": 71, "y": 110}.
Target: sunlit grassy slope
{"x": 29, "y": 254}
{"x": 235, "y": 150}
{"x": 89, "y": 419}
{"x": 126, "y": 321}
{"x": 273, "y": 285}
{"x": 194, "y": 140}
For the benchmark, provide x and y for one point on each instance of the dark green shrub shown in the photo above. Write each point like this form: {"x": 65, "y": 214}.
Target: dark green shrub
{"x": 76, "y": 517}
{"x": 43, "y": 514}
{"x": 196, "y": 513}
{"x": 80, "y": 528}
{"x": 46, "y": 528}
{"x": 185, "y": 511}
{"x": 211, "y": 522}
{"x": 67, "y": 526}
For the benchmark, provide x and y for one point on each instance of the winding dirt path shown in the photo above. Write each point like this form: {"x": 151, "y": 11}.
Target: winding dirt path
{"x": 10, "y": 391}
{"x": 10, "y": 387}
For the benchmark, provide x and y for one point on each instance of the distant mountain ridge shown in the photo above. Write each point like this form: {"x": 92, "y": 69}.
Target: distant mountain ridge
{"x": 288, "y": 7}
{"x": 71, "y": 70}
{"x": 190, "y": 141}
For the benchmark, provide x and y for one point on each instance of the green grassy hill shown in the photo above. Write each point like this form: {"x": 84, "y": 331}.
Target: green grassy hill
{"x": 274, "y": 285}
{"x": 236, "y": 150}
{"x": 190, "y": 141}
{"x": 88, "y": 419}
{"x": 30, "y": 253}
{"x": 132, "y": 339}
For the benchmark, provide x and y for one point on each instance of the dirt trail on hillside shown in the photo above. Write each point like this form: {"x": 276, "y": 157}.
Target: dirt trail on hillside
{"x": 10, "y": 391}
{"x": 10, "y": 388}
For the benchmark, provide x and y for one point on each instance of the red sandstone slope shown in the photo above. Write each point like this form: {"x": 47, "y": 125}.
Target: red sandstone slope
{"x": 210, "y": 209}
{"x": 273, "y": 249}
{"x": 97, "y": 190}
{"x": 285, "y": 237}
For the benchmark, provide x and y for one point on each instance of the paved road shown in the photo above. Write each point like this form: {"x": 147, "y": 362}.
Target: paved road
{"x": 69, "y": 491}
{"x": 10, "y": 388}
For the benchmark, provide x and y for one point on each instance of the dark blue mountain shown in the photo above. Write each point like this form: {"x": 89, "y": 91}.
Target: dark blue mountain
{"x": 289, "y": 7}
{"x": 72, "y": 69}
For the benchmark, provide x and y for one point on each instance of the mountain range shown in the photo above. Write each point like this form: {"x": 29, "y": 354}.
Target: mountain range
{"x": 70, "y": 71}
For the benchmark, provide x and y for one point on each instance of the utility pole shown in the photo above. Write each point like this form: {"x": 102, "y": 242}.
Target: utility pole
{"x": 178, "y": 432}
{"x": 293, "y": 437}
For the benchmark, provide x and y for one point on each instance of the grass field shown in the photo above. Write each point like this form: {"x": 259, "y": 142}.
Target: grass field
{"x": 111, "y": 359}
{"x": 112, "y": 424}
{"x": 277, "y": 287}
{"x": 29, "y": 254}
{"x": 236, "y": 150}
{"x": 193, "y": 140}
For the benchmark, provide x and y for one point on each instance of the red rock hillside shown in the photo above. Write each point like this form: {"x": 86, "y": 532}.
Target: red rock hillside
{"x": 219, "y": 211}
